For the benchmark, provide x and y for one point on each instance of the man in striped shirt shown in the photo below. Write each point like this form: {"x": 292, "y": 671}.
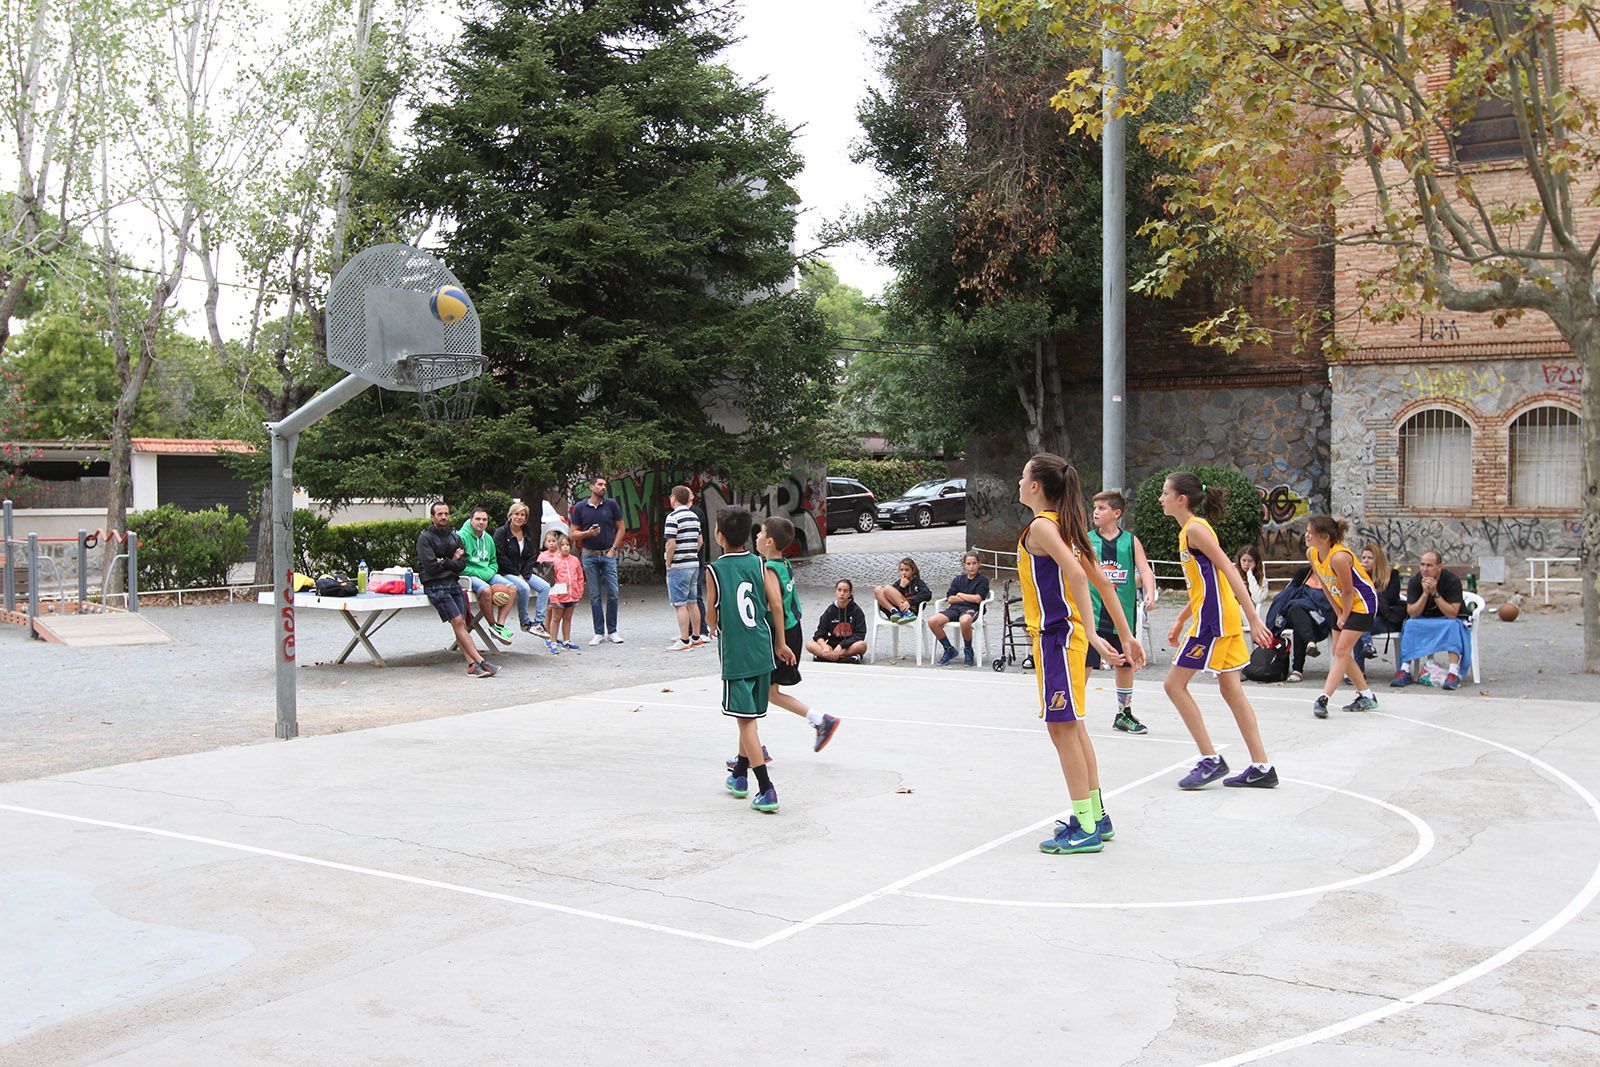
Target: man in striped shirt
{"x": 682, "y": 532}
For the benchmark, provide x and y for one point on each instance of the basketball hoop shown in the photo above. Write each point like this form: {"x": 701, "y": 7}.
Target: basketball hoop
{"x": 445, "y": 383}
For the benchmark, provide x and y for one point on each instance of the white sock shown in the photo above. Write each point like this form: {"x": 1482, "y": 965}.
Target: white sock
{"x": 814, "y": 717}
{"x": 1262, "y": 767}
{"x": 1369, "y": 694}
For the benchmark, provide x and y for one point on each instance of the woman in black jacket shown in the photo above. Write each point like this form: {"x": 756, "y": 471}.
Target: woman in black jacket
{"x": 841, "y": 635}
{"x": 1304, "y": 609}
{"x": 517, "y": 550}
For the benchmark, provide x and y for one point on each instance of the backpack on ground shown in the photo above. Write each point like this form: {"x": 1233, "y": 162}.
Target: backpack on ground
{"x": 1269, "y": 664}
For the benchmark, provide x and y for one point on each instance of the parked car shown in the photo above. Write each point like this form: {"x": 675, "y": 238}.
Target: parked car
{"x": 851, "y": 506}
{"x": 941, "y": 500}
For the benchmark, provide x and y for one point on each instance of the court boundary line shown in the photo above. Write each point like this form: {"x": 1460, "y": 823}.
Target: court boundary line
{"x": 1426, "y": 840}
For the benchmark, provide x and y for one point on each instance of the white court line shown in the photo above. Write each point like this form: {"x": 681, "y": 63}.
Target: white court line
{"x": 929, "y": 872}
{"x": 391, "y": 876}
{"x": 1425, "y": 843}
{"x": 979, "y": 679}
{"x": 906, "y": 722}
{"x": 1574, "y": 908}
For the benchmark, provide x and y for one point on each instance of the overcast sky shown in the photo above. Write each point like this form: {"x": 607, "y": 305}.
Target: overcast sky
{"x": 814, "y": 58}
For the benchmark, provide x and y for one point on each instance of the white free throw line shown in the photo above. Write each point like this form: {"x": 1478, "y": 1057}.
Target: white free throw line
{"x": 391, "y": 876}
{"x": 928, "y": 872}
{"x": 905, "y": 722}
{"x": 1574, "y": 908}
{"x": 1425, "y": 843}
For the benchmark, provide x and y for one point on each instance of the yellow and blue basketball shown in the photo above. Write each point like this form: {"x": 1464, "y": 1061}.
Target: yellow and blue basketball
{"x": 449, "y": 304}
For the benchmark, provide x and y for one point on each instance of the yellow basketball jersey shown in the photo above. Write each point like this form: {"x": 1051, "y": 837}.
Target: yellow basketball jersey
{"x": 1046, "y": 599}
{"x": 1364, "y": 595}
{"x": 1211, "y": 600}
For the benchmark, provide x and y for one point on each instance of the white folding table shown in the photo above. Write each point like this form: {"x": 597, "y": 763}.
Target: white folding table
{"x": 367, "y": 613}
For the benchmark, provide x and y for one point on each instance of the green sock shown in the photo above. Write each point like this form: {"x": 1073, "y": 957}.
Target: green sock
{"x": 1084, "y": 810}
{"x": 1099, "y": 808}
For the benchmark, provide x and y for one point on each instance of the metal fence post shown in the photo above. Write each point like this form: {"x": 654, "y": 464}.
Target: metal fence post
{"x": 83, "y": 570}
{"x": 133, "y": 571}
{"x": 11, "y": 575}
{"x": 33, "y": 583}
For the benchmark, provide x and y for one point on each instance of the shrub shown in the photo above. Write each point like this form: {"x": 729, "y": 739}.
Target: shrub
{"x": 188, "y": 549}
{"x": 888, "y": 478}
{"x": 384, "y": 543}
{"x": 1239, "y": 526}
{"x": 308, "y": 527}
{"x": 495, "y": 500}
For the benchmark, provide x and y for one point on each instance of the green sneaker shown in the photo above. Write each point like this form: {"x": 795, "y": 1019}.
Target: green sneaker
{"x": 1361, "y": 703}
{"x": 765, "y": 801}
{"x": 502, "y": 632}
{"x": 1127, "y": 723}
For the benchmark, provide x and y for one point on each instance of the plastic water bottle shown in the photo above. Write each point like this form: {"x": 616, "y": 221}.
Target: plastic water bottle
{"x": 409, "y": 586}
{"x": 361, "y": 577}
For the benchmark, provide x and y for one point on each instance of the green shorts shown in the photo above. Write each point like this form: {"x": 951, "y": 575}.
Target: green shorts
{"x": 746, "y": 698}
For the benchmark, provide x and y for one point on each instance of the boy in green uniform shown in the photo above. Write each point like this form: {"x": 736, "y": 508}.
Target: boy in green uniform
{"x": 1121, "y": 557}
{"x": 746, "y": 594}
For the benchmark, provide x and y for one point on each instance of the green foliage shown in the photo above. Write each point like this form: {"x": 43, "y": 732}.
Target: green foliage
{"x": 620, "y": 207}
{"x": 17, "y": 422}
{"x": 498, "y": 501}
{"x": 188, "y": 549}
{"x": 845, "y": 308}
{"x": 887, "y": 478}
{"x": 384, "y": 543}
{"x": 1239, "y": 526}
{"x": 308, "y": 531}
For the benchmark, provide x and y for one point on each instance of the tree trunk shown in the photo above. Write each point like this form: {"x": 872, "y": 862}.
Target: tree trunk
{"x": 1586, "y": 345}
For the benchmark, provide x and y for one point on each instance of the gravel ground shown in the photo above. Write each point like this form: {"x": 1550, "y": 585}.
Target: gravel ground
{"x": 69, "y": 709}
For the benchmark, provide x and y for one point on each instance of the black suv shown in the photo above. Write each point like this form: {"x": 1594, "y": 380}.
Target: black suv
{"x": 851, "y": 506}
{"x": 941, "y": 500}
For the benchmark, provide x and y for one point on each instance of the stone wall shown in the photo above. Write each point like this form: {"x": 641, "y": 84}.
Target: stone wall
{"x": 1276, "y": 435}
{"x": 1370, "y": 402}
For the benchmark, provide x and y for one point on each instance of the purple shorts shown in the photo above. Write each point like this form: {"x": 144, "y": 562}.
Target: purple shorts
{"x": 1063, "y": 672}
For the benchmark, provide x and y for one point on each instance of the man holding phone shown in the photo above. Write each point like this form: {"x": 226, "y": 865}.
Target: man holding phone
{"x": 596, "y": 532}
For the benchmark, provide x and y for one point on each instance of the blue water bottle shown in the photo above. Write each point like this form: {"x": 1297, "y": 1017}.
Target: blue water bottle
{"x": 408, "y": 579}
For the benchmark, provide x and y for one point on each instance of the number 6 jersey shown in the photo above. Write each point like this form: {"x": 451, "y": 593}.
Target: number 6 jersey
{"x": 745, "y": 642}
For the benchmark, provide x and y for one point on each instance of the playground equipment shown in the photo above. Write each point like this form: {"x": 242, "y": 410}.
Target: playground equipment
{"x": 383, "y": 330}
{"x": 45, "y": 608}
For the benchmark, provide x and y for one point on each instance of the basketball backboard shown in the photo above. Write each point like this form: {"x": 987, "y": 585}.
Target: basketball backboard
{"x": 379, "y": 317}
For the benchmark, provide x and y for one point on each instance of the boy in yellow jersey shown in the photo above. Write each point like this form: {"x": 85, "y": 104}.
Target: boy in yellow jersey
{"x": 1355, "y": 602}
{"x": 1219, "y": 604}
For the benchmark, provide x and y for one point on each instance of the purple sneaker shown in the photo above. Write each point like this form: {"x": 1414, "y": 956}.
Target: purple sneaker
{"x": 1250, "y": 778}
{"x": 1208, "y": 770}
{"x": 825, "y": 731}
{"x": 731, "y": 764}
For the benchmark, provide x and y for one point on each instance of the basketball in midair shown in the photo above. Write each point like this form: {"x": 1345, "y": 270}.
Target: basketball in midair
{"x": 449, "y": 304}
{"x": 502, "y": 596}
{"x": 1509, "y": 612}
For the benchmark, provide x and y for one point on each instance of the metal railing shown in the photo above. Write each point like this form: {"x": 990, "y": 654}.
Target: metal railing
{"x": 1535, "y": 578}
{"x": 60, "y": 556}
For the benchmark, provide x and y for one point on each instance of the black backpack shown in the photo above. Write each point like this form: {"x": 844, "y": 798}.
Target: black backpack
{"x": 1269, "y": 664}
{"x": 336, "y": 585}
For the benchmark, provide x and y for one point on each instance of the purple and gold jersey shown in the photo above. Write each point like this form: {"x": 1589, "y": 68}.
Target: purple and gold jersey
{"x": 1211, "y": 600}
{"x": 1364, "y": 595}
{"x": 1059, "y": 630}
{"x": 1046, "y": 600}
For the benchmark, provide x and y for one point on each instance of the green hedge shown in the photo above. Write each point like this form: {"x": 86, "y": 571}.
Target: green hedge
{"x": 1238, "y": 527}
{"x": 188, "y": 549}
{"x": 384, "y": 543}
{"x": 888, "y": 478}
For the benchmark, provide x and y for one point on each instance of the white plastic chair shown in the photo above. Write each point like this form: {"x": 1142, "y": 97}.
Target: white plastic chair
{"x": 980, "y": 632}
{"x": 1474, "y": 605}
{"x": 920, "y": 623}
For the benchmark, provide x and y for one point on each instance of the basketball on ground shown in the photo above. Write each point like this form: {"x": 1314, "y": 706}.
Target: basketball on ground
{"x": 1509, "y": 612}
{"x": 449, "y": 304}
{"x": 502, "y": 596}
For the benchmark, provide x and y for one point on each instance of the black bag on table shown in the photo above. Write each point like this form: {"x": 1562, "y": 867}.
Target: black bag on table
{"x": 336, "y": 585}
{"x": 1269, "y": 664}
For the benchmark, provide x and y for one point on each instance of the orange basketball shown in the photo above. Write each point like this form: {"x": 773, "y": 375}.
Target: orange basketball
{"x": 1509, "y": 612}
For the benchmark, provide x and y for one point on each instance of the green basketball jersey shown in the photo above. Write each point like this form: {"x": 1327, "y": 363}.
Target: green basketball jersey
{"x": 746, "y": 640}
{"x": 1116, "y": 562}
{"x": 791, "y": 599}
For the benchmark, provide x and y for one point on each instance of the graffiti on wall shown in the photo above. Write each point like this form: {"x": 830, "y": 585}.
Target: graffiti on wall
{"x": 1281, "y": 505}
{"x": 1454, "y": 383}
{"x": 1432, "y": 329}
{"x": 1460, "y": 541}
{"x": 1566, "y": 377}
{"x": 800, "y": 496}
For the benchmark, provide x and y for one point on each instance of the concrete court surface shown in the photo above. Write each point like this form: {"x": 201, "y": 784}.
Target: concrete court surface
{"x": 567, "y": 882}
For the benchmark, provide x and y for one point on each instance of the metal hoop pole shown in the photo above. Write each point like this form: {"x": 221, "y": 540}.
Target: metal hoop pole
{"x": 33, "y": 583}
{"x": 83, "y": 569}
{"x": 288, "y": 724}
{"x": 10, "y": 576}
{"x": 133, "y": 572}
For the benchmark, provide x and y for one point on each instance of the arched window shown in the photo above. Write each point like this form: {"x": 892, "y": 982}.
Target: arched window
{"x": 1546, "y": 459}
{"x": 1436, "y": 460}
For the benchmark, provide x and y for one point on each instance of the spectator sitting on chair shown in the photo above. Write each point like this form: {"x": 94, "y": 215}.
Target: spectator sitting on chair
{"x": 967, "y": 591}
{"x": 483, "y": 572}
{"x": 841, "y": 635}
{"x": 516, "y": 554}
{"x": 441, "y": 558}
{"x": 1391, "y": 610}
{"x": 1303, "y": 607}
{"x": 1254, "y": 573}
{"x": 899, "y": 601}
{"x": 1433, "y": 623}
{"x": 596, "y": 530}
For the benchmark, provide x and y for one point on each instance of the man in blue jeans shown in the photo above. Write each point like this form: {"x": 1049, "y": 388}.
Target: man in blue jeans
{"x": 596, "y": 529}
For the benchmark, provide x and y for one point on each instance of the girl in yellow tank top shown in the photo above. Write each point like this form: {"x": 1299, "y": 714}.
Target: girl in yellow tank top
{"x": 1355, "y": 602}
{"x": 1219, "y": 604}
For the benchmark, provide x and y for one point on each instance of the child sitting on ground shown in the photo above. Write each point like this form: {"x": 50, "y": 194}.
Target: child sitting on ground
{"x": 842, "y": 628}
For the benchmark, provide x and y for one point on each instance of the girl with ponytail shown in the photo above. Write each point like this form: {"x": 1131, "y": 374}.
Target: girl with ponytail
{"x": 1055, "y": 602}
{"x": 1218, "y": 603}
{"x": 1355, "y": 603}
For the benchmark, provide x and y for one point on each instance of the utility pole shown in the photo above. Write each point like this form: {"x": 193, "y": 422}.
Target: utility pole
{"x": 1113, "y": 282}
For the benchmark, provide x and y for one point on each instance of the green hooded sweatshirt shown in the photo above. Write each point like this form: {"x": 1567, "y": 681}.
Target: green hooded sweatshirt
{"x": 481, "y": 560}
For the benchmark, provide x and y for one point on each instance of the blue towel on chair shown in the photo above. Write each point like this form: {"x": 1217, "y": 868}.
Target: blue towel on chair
{"x": 1423, "y": 637}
